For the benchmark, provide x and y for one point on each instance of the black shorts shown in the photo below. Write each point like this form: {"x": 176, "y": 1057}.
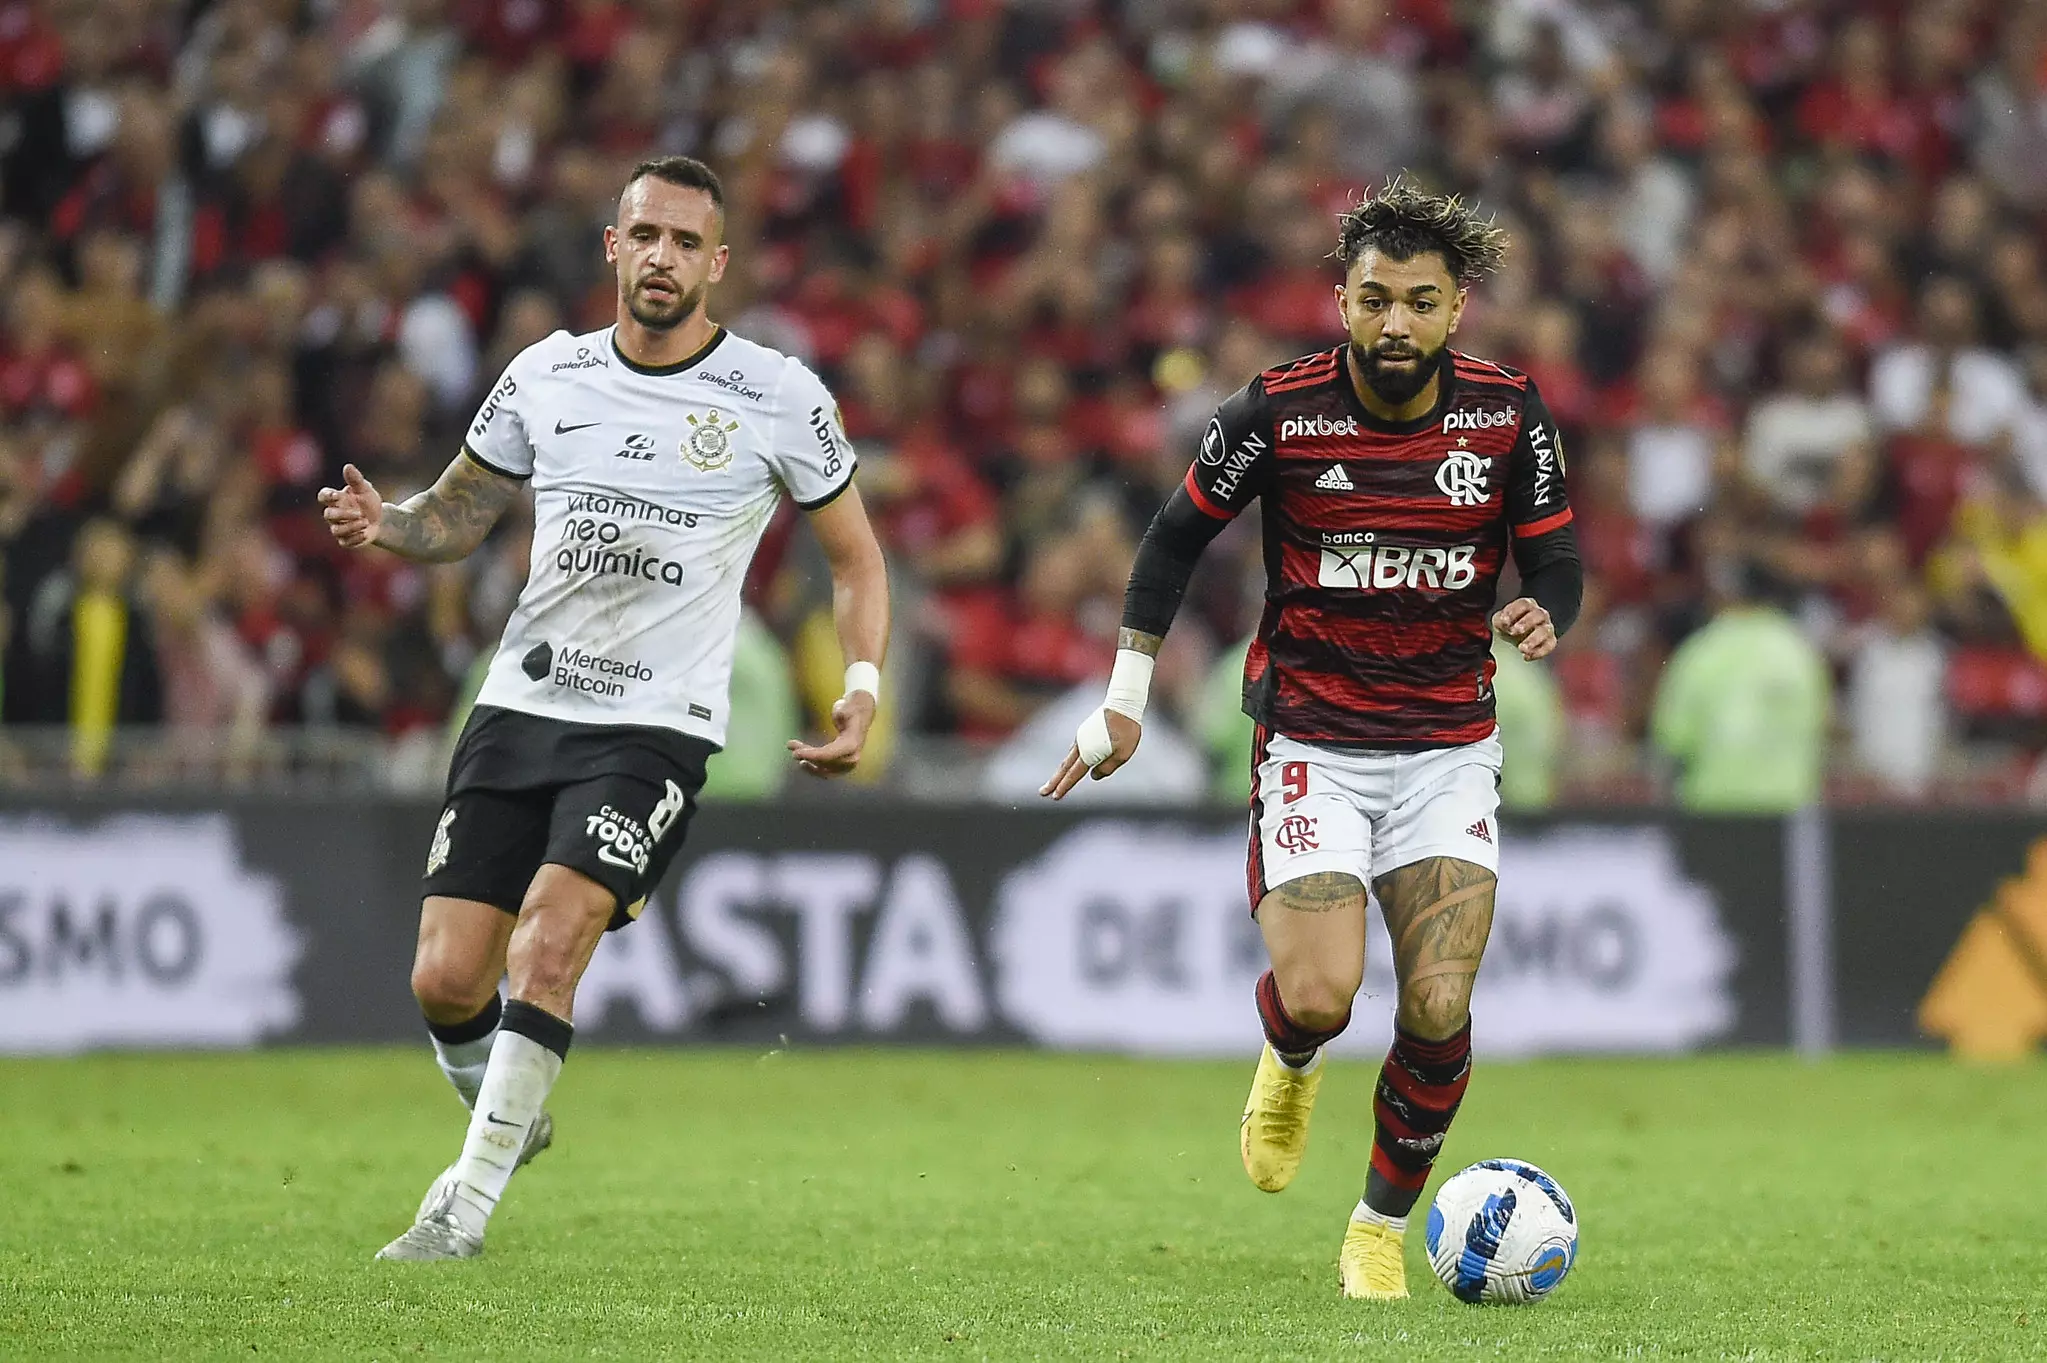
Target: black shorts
{"x": 610, "y": 800}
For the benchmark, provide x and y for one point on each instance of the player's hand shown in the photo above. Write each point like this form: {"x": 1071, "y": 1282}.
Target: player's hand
{"x": 1527, "y": 624}
{"x": 852, "y": 716}
{"x": 354, "y": 511}
{"x": 1124, "y": 734}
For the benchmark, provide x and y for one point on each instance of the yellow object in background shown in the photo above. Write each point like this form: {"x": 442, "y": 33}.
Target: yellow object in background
{"x": 100, "y": 641}
{"x": 1989, "y": 1001}
{"x": 821, "y": 679}
{"x": 2013, "y": 552}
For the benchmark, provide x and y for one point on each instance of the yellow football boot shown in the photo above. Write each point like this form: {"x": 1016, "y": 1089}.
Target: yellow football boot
{"x": 1372, "y": 1264}
{"x": 1274, "y": 1133}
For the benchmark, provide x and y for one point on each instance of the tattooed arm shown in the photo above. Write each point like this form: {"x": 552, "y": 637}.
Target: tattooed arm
{"x": 1439, "y": 913}
{"x": 1137, "y": 641}
{"x": 440, "y": 525}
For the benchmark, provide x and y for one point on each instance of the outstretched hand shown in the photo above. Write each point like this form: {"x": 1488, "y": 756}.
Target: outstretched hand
{"x": 354, "y": 512}
{"x": 1124, "y": 735}
{"x": 852, "y": 716}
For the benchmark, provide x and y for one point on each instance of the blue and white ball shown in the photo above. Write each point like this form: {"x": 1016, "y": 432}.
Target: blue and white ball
{"x": 1502, "y": 1231}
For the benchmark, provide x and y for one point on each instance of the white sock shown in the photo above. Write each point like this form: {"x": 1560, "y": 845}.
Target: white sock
{"x": 464, "y": 1058}
{"x": 515, "y": 1087}
{"x": 1314, "y": 1062}
{"x": 464, "y": 1063}
{"x": 1370, "y": 1217}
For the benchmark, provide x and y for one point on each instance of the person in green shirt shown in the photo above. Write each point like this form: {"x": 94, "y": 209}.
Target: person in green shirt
{"x": 1224, "y": 729}
{"x": 1531, "y": 714}
{"x": 755, "y": 760}
{"x": 1743, "y": 709}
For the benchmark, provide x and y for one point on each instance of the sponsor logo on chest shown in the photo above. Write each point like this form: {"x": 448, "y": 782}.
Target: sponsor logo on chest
{"x": 736, "y": 383}
{"x": 1360, "y": 561}
{"x": 1477, "y": 419}
{"x": 1316, "y": 427}
{"x": 586, "y": 358}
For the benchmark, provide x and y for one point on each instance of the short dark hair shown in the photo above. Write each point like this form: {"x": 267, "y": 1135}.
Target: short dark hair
{"x": 684, "y": 171}
{"x": 1404, "y": 221}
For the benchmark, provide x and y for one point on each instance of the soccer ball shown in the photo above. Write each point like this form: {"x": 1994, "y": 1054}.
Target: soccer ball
{"x": 1501, "y": 1231}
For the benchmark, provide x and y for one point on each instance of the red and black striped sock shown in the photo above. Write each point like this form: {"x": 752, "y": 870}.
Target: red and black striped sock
{"x": 1291, "y": 1041}
{"x": 1420, "y": 1086}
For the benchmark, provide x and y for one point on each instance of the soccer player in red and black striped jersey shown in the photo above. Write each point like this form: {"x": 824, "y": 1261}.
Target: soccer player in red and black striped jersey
{"x": 1396, "y": 476}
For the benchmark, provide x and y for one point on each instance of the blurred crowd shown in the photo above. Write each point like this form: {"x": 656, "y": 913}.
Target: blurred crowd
{"x": 1777, "y": 266}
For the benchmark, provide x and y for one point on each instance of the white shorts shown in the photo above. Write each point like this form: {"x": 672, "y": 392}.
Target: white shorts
{"x": 1366, "y": 813}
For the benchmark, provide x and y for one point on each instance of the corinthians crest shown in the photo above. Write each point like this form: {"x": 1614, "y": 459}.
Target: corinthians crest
{"x": 708, "y": 446}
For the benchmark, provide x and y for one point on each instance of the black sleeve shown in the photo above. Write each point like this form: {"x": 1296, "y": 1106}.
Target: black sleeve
{"x": 1232, "y": 467}
{"x": 1558, "y": 583}
{"x": 1539, "y": 516}
{"x": 1165, "y": 563}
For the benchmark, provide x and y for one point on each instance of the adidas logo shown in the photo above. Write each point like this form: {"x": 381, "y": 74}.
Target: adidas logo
{"x": 1989, "y": 1000}
{"x": 1479, "y": 831}
{"x": 1336, "y": 480}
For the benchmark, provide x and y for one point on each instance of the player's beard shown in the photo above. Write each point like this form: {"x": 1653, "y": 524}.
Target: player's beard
{"x": 1397, "y": 387}
{"x": 663, "y": 316}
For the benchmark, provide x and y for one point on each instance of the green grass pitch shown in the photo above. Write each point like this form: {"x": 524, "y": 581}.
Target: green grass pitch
{"x": 728, "y": 1204}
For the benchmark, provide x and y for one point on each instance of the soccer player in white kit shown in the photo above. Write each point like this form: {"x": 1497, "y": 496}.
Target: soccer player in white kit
{"x": 657, "y": 450}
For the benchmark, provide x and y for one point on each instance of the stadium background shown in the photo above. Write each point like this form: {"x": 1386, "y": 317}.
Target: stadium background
{"x": 1778, "y": 268}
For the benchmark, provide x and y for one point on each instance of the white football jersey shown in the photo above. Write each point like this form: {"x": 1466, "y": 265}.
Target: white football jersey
{"x": 651, "y": 488}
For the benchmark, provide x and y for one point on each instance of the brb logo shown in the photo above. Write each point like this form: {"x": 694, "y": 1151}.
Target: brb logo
{"x": 1373, "y": 566}
{"x": 1462, "y": 478}
{"x": 1297, "y": 833}
{"x": 1298, "y": 427}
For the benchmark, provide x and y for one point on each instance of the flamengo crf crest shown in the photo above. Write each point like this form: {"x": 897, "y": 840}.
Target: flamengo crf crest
{"x": 1462, "y": 478}
{"x": 708, "y": 446}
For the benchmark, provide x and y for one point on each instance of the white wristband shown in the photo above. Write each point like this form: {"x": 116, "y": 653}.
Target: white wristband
{"x": 1129, "y": 688}
{"x": 1130, "y": 683}
{"x": 863, "y": 677}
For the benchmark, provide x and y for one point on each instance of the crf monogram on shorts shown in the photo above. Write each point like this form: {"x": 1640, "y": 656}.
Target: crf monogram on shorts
{"x": 1296, "y": 833}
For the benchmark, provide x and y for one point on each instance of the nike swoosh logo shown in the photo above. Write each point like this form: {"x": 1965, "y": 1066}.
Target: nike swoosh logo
{"x": 560, "y": 429}
{"x": 496, "y": 1120}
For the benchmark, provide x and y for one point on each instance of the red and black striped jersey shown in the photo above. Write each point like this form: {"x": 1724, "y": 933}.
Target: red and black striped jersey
{"x": 1383, "y": 544}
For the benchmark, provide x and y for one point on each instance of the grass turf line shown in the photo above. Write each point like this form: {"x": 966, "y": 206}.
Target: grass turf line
{"x": 966, "y": 1205}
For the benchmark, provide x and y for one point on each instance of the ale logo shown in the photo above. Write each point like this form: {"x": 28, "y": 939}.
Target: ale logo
{"x": 1989, "y": 1001}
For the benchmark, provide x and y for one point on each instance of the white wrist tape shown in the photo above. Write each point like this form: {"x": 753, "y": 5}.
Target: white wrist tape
{"x": 863, "y": 677}
{"x": 1129, "y": 689}
{"x": 1130, "y": 683}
